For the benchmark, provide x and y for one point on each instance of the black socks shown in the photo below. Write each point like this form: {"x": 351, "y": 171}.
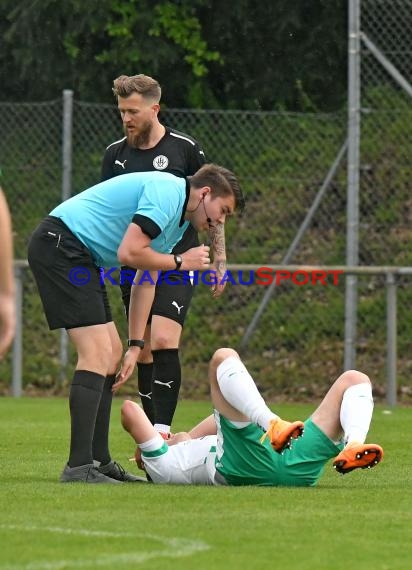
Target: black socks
{"x": 100, "y": 446}
{"x": 144, "y": 384}
{"x": 166, "y": 384}
{"x": 85, "y": 394}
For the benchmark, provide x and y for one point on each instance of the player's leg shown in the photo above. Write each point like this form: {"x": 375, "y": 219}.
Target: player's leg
{"x": 86, "y": 391}
{"x": 148, "y": 440}
{"x": 145, "y": 374}
{"x": 54, "y": 252}
{"x": 92, "y": 344}
{"x": 136, "y": 423}
{"x": 347, "y": 411}
{"x": 145, "y": 359}
{"x": 236, "y": 397}
{"x": 167, "y": 374}
{"x": 82, "y": 418}
{"x": 171, "y": 303}
{"x": 101, "y": 451}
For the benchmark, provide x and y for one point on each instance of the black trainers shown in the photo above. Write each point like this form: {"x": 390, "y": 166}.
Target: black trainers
{"x": 84, "y": 474}
{"x": 115, "y": 471}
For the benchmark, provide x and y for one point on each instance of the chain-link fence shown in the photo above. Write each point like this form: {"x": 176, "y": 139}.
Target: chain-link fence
{"x": 293, "y": 169}
{"x": 385, "y": 206}
{"x": 386, "y": 135}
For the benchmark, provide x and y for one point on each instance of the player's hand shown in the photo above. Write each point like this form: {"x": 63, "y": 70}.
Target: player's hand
{"x": 219, "y": 267}
{"x": 196, "y": 258}
{"x": 138, "y": 458}
{"x": 128, "y": 365}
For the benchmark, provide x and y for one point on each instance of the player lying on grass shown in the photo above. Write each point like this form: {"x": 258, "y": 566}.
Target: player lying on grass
{"x": 245, "y": 443}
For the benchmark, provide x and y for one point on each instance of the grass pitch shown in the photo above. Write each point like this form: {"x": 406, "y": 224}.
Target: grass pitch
{"x": 361, "y": 520}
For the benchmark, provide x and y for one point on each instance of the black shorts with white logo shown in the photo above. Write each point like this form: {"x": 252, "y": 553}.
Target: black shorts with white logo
{"x": 174, "y": 292}
{"x": 67, "y": 278}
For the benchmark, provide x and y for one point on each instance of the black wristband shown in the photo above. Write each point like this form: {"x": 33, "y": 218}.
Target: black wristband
{"x": 178, "y": 260}
{"x": 132, "y": 342}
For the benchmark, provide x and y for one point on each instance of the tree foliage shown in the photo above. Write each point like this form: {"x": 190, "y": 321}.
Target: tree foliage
{"x": 207, "y": 53}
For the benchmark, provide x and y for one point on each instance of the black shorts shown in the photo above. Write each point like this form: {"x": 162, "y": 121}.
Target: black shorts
{"x": 174, "y": 292}
{"x": 68, "y": 280}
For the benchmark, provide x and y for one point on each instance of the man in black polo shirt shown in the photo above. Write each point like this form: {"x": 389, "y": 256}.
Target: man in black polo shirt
{"x": 149, "y": 145}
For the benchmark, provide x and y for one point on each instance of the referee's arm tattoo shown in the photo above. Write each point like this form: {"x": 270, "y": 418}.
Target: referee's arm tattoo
{"x": 217, "y": 242}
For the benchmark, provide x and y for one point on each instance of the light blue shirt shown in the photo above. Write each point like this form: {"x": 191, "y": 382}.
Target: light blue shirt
{"x": 100, "y": 216}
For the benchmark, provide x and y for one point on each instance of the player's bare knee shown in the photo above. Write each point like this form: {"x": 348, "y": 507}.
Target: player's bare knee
{"x": 164, "y": 341}
{"x": 126, "y": 406}
{"x": 352, "y": 377}
{"x": 126, "y": 411}
{"x": 222, "y": 354}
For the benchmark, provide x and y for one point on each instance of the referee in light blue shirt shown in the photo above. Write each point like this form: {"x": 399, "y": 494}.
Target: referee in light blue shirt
{"x": 135, "y": 220}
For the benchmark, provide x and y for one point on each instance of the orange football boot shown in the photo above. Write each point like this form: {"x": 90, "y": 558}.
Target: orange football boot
{"x": 358, "y": 456}
{"x": 281, "y": 433}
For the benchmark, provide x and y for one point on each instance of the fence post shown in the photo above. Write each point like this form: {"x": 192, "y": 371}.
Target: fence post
{"x": 18, "y": 338}
{"x": 352, "y": 226}
{"x": 67, "y": 146}
{"x": 391, "y": 320}
{"x": 67, "y": 166}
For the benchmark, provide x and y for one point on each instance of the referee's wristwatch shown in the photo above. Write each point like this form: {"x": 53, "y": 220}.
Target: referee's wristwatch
{"x": 178, "y": 260}
{"x": 133, "y": 342}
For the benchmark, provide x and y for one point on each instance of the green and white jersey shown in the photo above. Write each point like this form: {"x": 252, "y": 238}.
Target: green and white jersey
{"x": 242, "y": 459}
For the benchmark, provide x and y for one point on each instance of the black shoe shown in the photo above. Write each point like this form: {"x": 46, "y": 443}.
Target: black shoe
{"x": 115, "y": 471}
{"x": 85, "y": 474}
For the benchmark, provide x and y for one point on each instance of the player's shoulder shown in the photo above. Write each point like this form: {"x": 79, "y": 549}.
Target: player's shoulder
{"x": 117, "y": 144}
{"x": 180, "y": 136}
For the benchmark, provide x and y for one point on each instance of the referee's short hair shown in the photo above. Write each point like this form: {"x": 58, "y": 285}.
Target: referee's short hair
{"x": 222, "y": 182}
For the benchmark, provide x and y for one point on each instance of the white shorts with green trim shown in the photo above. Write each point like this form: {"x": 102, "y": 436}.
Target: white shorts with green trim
{"x": 190, "y": 462}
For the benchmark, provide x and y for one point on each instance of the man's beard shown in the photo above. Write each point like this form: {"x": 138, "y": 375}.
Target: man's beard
{"x": 140, "y": 139}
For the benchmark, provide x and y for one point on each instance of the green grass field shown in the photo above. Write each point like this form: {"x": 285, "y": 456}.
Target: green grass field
{"x": 362, "y": 520}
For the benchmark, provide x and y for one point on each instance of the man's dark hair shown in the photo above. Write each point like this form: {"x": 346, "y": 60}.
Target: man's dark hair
{"x": 221, "y": 181}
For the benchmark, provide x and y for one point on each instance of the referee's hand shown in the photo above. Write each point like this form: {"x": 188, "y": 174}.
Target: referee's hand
{"x": 196, "y": 258}
{"x": 128, "y": 365}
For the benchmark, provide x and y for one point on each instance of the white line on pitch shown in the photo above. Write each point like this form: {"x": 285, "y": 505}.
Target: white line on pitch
{"x": 174, "y": 548}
